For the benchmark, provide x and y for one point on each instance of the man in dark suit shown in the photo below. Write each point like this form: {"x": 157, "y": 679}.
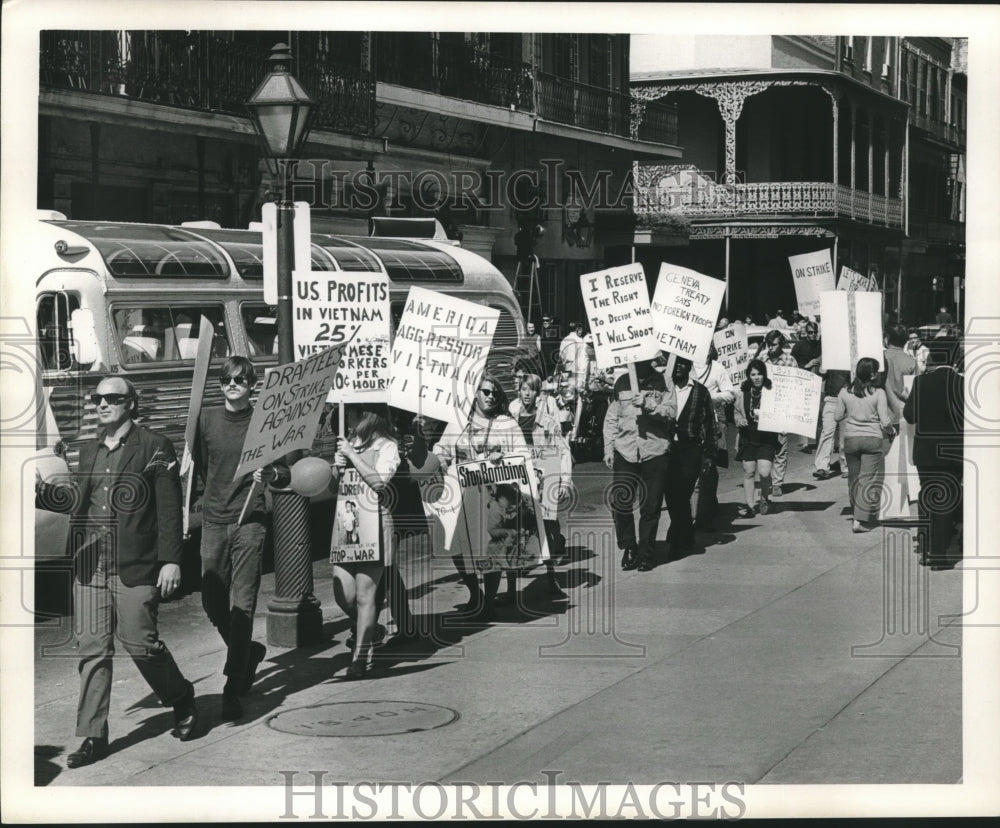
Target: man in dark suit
{"x": 693, "y": 449}
{"x": 126, "y": 535}
{"x": 936, "y": 406}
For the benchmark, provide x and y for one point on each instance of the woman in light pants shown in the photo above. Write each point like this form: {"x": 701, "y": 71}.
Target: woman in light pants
{"x": 865, "y": 412}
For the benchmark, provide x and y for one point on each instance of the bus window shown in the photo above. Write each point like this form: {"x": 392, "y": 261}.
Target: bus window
{"x": 55, "y": 334}
{"x": 156, "y": 333}
{"x": 260, "y": 321}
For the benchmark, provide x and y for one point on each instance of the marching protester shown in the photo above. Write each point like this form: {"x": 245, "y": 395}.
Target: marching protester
{"x": 756, "y": 449}
{"x": 489, "y": 434}
{"x": 418, "y": 469}
{"x": 720, "y": 387}
{"x": 778, "y": 320}
{"x": 916, "y": 349}
{"x": 549, "y": 450}
{"x": 936, "y": 407}
{"x": 691, "y": 453}
{"x": 231, "y": 552}
{"x": 372, "y": 449}
{"x": 806, "y": 353}
{"x": 126, "y": 496}
{"x": 867, "y": 418}
{"x": 573, "y": 355}
{"x": 772, "y": 352}
{"x": 831, "y": 437}
{"x": 898, "y": 364}
{"x": 638, "y": 430}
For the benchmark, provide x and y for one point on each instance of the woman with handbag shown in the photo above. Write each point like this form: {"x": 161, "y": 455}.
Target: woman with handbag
{"x": 755, "y": 448}
{"x": 867, "y": 424}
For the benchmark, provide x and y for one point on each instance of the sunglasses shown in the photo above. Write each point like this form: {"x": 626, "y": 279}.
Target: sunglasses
{"x": 239, "y": 379}
{"x": 112, "y": 399}
{"x": 487, "y": 392}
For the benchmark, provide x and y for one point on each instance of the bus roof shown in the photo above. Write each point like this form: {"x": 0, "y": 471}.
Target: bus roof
{"x": 167, "y": 251}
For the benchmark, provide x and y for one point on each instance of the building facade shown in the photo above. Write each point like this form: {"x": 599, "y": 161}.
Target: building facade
{"x": 798, "y": 144}
{"x": 520, "y": 144}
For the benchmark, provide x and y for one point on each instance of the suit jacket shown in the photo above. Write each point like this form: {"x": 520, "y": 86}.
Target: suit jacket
{"x": 936, "y": 406}
{"x": 696, "y": 422}
{"x": 145, "y": 500}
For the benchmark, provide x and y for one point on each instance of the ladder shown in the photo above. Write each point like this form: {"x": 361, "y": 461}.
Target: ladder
{"x": 533, "y": 290}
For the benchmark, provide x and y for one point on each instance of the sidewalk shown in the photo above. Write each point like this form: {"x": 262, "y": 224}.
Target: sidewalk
{"x": 732, "y": 664}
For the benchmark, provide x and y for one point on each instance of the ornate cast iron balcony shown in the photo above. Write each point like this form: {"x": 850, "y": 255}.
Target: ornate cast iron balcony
{"x": 696, "y": 196}
{"x": 197, "y": 70}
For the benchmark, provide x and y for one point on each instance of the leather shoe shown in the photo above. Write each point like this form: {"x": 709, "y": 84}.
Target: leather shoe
{"x": 356, "y": 670}
{"x": 823, "y": 474}
{"x": 92, "y": 749}
{"x": 644, "y": 565}
{"x": 629, "y": 560}
{"x": 185, "y": 716}
{"x": 257, "y": 653}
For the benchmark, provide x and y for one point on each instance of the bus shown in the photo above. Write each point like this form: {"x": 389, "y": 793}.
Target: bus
{"x": 128, "y": 299}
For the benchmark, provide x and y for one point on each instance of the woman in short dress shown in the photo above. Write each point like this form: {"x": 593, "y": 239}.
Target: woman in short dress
{"x": 756, "y": 448}
{"x": 489, "y": 434}
{"x": 372, "y": 448}
{"x": 553, "y": 465}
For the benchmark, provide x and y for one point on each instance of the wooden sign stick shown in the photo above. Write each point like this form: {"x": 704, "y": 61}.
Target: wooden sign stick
{"x": 206, "y": 334}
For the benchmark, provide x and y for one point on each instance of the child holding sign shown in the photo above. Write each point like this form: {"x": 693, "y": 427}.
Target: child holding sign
{"x": 365, "y": 462}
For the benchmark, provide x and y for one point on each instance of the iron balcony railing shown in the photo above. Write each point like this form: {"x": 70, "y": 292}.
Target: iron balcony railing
{"x": 702, "y": 198}
{"x": 605, "y": 110}
{"x": 457, "y": 70}
{"x": 198, "y": 70}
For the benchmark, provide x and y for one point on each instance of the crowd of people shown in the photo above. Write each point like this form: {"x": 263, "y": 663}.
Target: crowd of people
{"x": 665, "y": 436}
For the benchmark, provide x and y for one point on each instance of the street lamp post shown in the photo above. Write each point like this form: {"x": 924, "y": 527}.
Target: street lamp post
{"x": 281, "y": 112}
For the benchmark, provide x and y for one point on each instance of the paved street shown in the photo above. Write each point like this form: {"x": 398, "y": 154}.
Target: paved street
{"x": 788, "y": 650}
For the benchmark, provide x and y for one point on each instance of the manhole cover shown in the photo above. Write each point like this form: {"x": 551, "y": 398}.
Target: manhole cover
{"x": 362, "y": 718}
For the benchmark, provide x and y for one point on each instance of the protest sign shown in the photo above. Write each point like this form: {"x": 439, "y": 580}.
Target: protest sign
{"x": 617, "y": 303}
{"x": 734, "y": 351}
{"x": 813, "y": 274}
{"x": 286, "y": 415}
{"x": 501, "y": 514}
{"x": 356, "y": 525}
{"x": 685, "y": 306}
{"x": 852, "y": 328}
{"x": 331, "y": 308}
{"x": 791, "y": 404}
{"x": 852, "y": 280}
{"x": 439, "y": 354}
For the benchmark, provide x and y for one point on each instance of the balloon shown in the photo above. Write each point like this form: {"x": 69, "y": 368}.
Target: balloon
{"x": 310, "y": 476}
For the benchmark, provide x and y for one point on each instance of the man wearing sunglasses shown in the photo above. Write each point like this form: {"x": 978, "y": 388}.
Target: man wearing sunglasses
{"x": 126, "y": 534}
{"x": 231, "y": 551}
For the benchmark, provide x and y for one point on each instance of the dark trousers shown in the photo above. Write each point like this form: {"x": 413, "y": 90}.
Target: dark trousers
{"x": 105, "y": 609}
{"x": 708, "y": 495}
{"x": 683, "y": 469}
{"x": 939, "y": 505}
{"x": 643, "y": 482}
{"x": 231, "y": 563}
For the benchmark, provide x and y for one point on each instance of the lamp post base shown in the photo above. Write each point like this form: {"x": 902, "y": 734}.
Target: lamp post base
{"x": 294, "y": 617}
{"x": 294, "y": 622}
